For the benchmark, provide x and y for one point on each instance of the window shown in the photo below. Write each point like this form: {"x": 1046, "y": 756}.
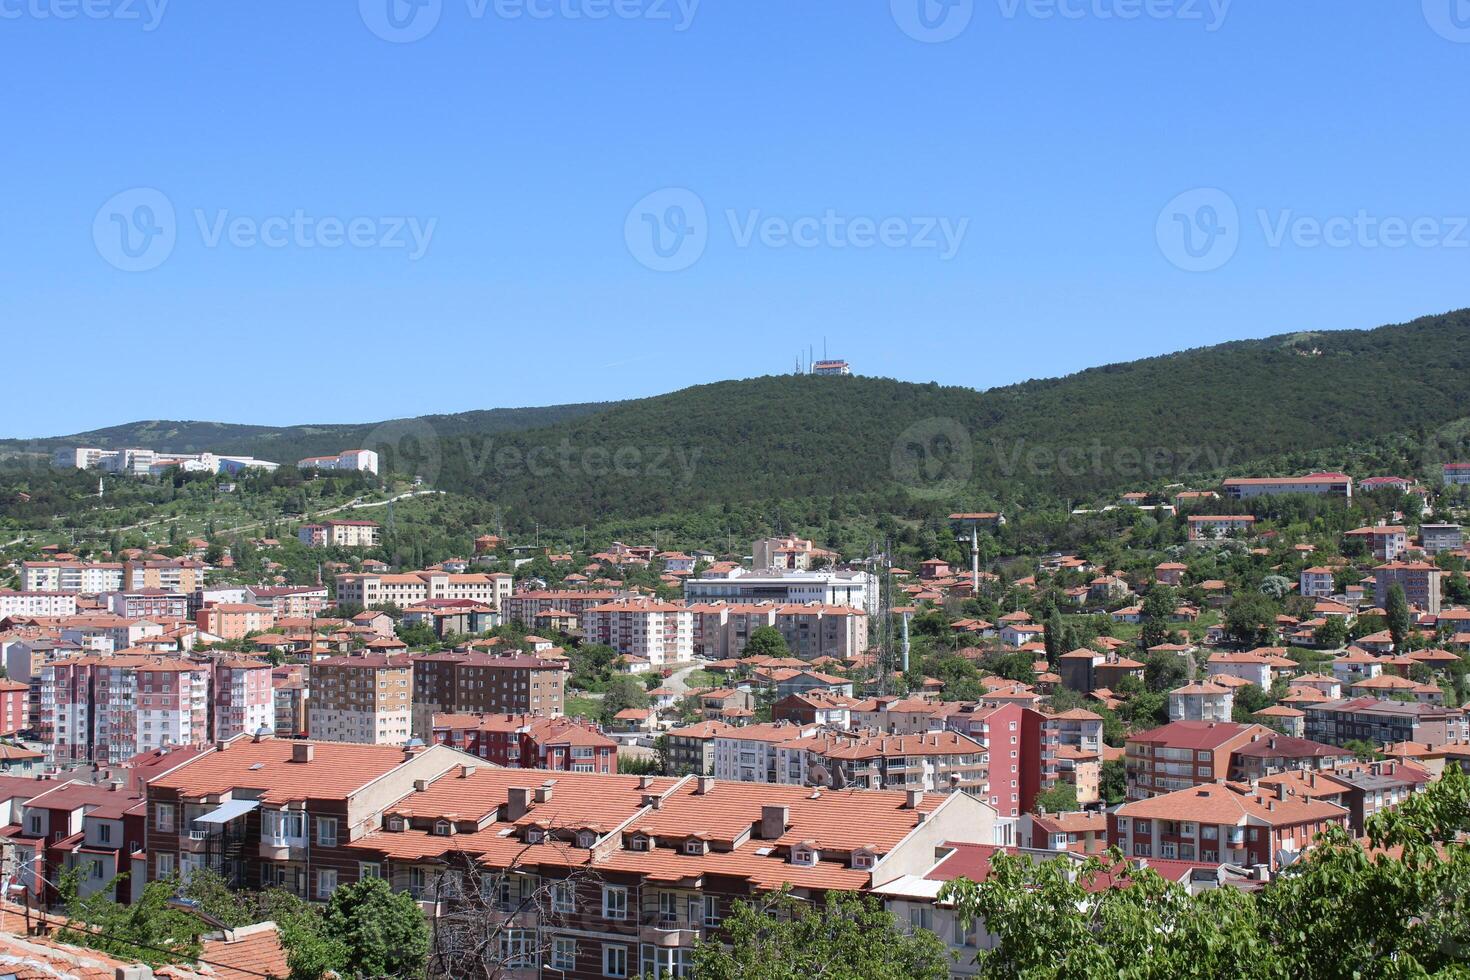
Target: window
{"x": 563, "y": 954}
{"x": 442, "y": 828}
{"x": 564, "y": 898}
{"x": 163, "y": 818}
{"x": 615, "y": 906}
{"x": 518, "y": 948}
{"x": 369, "y": 869}
{"x": 614, "y": 961}
{"x": 104, "y": 833}
{"x": 919, "y": 917}
{"x": 163, "y": 865}
{"x": 96, "y": 870}
{"x": 35, "y": 823}
{"x": 326, "y": 831}
{"x": 326, "y": 882}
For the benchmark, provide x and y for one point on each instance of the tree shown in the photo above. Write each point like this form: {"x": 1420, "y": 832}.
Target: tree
{"x": 844, "y": 937}
{"x": 622, "y": 692}
{"x": 1061, "y": 798}
{"x": 1332, "y": 633}
{"x": 1055, "y": 637}
{"x": 1276, "y": 586}
{"x": 1164, "y": 671}
{"x": 766, "y": 641}
{"x": 1114, "y": 781}
{"x": 384, "y": 933}
{"x": 1397, "y": 608}
{"x": 1250, "y": 618}
{"x": 1158, "y": 608}
{"x": 1249, "y": 699}
{"x": 147, "y": 931}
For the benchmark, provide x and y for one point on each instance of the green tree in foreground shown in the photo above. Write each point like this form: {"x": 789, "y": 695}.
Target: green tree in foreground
{"x": 385, "y": 934}
{"x": 1397, "y": 608}
{"x": 845, "y": 938}
{"x": 766, "y": 641}
{"x": 1061, "y": 798}
{"x": 1399, "y": 909}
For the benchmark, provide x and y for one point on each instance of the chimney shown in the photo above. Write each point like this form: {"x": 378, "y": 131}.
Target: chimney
{"x": 911, "y": 802}
{"x": 465, "y": 772}
{"x": 543, "y": 793}
{"x": 704, "y": 785}
{"x": 517, "y": 802}
{"x": 653, "y": 800}
{"x": 644, "y": 782}
{"x": 221, "y": 745}
{"x": 773, "y": 821}
{"x": 302, "y": 752}
{"x": 420, "y": 785}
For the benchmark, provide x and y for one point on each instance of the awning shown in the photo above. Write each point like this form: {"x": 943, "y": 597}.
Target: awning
{"x": 226, "y": 812}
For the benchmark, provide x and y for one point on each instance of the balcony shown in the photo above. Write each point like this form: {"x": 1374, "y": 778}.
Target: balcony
{"x": 669, "y": 930}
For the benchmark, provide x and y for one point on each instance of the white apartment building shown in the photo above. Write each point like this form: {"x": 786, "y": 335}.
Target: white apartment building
{"x": 109, "y": 709}
{"x": 1318, "y": 582}
{"x": 244, "y": 698}
{"x": 37, "y": 603}
{"x": 361, "y": 699}
{"x": 1329, "y": 484}
{"x": 340, "y": 534}
{"x": 86, "y": 578}
{"x": 661, "y": 632}
{"x": 858, "y": 589}
{"x": 1201, "y": 702}
{"x": 748, "y": 754}
{"x": 361, "y": 460}
{"x": 412, "y": 588}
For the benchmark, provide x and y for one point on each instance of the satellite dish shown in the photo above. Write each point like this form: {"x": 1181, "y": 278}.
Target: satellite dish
{"x": 839, "y": 778}
{"x": 817, "y": 775}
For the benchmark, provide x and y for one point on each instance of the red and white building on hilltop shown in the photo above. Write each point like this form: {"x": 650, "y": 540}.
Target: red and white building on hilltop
{"x": 109, "y": 709}
{"x": 360, "y": 460}
{"x": 1328, "y": 484}
{"x": 244, "y": 698}
{"x": 340, "y": 534}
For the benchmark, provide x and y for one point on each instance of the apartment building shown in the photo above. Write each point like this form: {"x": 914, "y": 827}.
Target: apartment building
{"x": 1382, "y": 722}
{"x": 690, "y": 750}
{"x": 107, "y": 709}
{"x": 1326, "y": 484}
{"x": 1183, "y": 754}
{"x": 1201, "y": 702}
{"x": 1420, "y": 579}
{"x": 14, "y": 603}
{"x": 1317, "y": 582}
{"x": 1225, "y": 822}
{"x": 235, "y": 620}
{"x": 290, "y": 601}
{"x": 365, "y": 699}
{"x": 479, "y": 683}
{"x": 289, "y": 693}
{"x": 529, "y": 742}
{"x": 268, "y": 813}
{"x": 359, "y": 460}
{"x": 857, "y": 589}
{"x": 790, "y": 553}
{"x": 722, "y": 629}
{"x": 67, "y": 824}
{"x": 1440, "y": 537}
{"x": 1456, "y": 474}
{"x": 86, "y": 578}
{"x": 1383, "y": 541}
{"x": 243, "y": 698}
{"x": 1362, "y": 788}
{"x": 155, "y": 604}
{"x": 660, "y": 632}
{"x": 523, "y": 607}
{"x": 1209, "y": 527}
{"x": 1085, "y": 670}
{"x": 164, "y": 575}
{"x": 934, "y": 762}
{"x": 748, "y": 754}
{"x": 340, "y": 534}
{"x": 15, "y": 715}
{"x": 413, "y": 588}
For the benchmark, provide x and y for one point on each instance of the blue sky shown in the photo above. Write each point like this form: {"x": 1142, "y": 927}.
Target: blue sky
{"x": 367, "y": 225}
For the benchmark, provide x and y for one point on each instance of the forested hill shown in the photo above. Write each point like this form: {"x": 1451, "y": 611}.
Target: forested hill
{"x": 1196, "y": 412}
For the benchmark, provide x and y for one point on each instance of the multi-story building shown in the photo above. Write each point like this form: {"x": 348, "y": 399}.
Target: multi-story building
{"x": 340, "y": 534}
{"x": 149, "y": 604}
{"x": 87, "y": 578}
{"x": 1456, "y": 474}
{"x": 363, "y": 699}
{"x": 935, "y": 762}
{"x": 37, "y": 603}
{"x": 66, "y": 825}
{"x": 1384, "y": 541}
{"x": 289, "y": 692}
{"x": 1223, "y": 822}
{"x": 1201, "y": 702}
{"x": 1362, "y": 788}
{"x": 235, "y": 620}
{"x": 164, "y": 575}
{"x": 1269, "y": 754}
{"x": 1209, "y": 527}
{"x": 529, "y": 742}
{"x": 290, "y": 601}
{"x": 691, "y": 750}
{"x": 1328, "y": 484}
{"x": 1420, "y": 580}
{"x": 791, "y": 552}
{"x": 1183, "y": 754}
{"x": 15, "y": 699}
{"x": 523, "y": 607}
{"x": 1382, "y": 722}
{"x": 109, "y": 709}
{"x": 1440, "y": 537}
{"x": 1318, "y": 582}
{"x": 243, "y": 698}
{"x": 360, "y": 460}
{"x": 660, "y": 632}
{"x": 484, "y": 684}
{"x": 748, "y": 754}
{"x": 858, "y": 589}
{"x": 268, "y": 813}
{"x": 413, "y": 588}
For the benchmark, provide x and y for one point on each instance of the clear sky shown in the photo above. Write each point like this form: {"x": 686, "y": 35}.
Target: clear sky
{"x": 284, "y": 211}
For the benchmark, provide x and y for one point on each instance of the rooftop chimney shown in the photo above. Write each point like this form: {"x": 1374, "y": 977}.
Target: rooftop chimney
{"x": 303, "y": 752}
{"x": 773, "y": 821}
{"x": 705, "y": 785}
{"x": 517, "y": 802}
{"x": 466, "y": 771}
{"x": 913, "y": 798}
{"x": 543, "y": 792}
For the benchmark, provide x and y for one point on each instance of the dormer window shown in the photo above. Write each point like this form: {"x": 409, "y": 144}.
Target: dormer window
{"x": 586, "y": 839}
{"x": 804, "y": 856}
{"x": 396, "y": 825}
{"x": 535, "y": 835}
{"x": 638, "y": 843}
{"x": 443, "y": 828}
{"x": 862, "y": 860}
{"x": 694, "y": 846}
